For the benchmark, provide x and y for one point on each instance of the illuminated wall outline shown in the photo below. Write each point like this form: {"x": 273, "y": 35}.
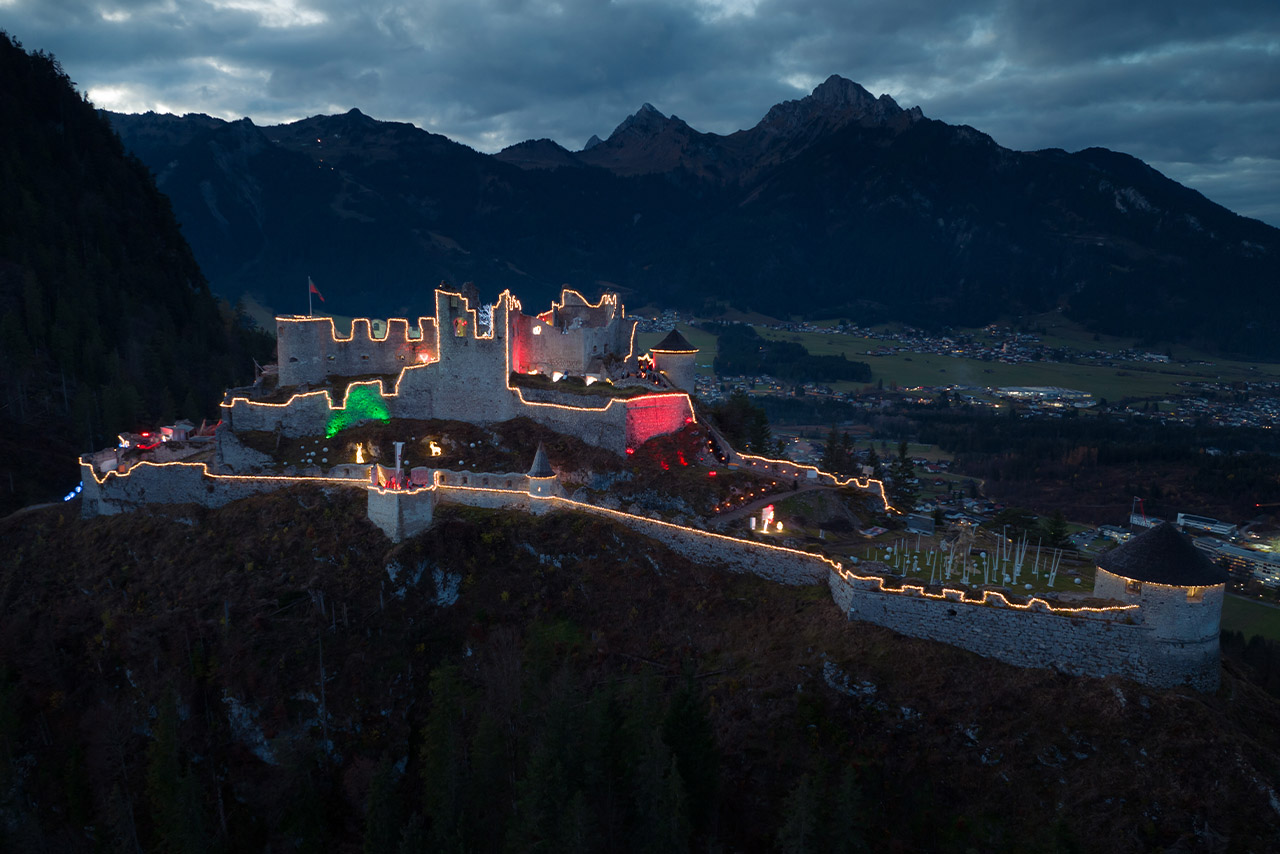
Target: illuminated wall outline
{"x": 612, "y": 417}
{"x": 1132, "y": 642}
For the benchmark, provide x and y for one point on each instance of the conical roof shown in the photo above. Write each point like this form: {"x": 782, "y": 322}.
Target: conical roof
{"x": 1161, "y": 555}
{"x": 541, "y": 465}
{"x": 674, "y": 343}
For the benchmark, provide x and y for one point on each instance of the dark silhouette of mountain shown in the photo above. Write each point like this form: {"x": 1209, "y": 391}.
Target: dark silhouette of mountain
{"x": 106, "y": 323}
{"x": 835, "y": 204}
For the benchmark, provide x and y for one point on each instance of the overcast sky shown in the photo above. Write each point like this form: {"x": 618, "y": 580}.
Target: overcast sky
{"x": 1190, "y": 86}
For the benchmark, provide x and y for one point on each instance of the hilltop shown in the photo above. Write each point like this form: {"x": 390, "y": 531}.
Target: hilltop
{"x": 162, "y": 682}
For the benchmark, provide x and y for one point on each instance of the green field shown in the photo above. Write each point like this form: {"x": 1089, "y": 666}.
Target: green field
{"x": 1125, "y": 379}
{"x": 1251, "y": 618}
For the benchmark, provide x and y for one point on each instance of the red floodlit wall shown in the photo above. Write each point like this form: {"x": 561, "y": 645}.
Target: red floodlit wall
{"x": 656, "y": 415}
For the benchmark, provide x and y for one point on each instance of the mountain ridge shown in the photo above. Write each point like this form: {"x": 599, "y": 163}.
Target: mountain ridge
{"x": 875, "y": 212}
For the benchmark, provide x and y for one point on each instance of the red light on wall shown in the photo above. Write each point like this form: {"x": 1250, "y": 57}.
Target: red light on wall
{"x": 665, "y": 467}
{"x": 631, "y": 450}
{"x": 711, "y": 474}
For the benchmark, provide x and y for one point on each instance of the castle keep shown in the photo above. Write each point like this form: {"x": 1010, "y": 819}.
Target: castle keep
{"x": 1153, "y": 616}
{"x": 457, "y": 366}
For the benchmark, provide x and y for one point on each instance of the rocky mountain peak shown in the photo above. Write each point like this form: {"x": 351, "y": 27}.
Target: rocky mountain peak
{"x": 646, "y": 121}
{"x": 836, "y": 101}
{"x": 837, "y": 91}
{"x": 592, "y": 143}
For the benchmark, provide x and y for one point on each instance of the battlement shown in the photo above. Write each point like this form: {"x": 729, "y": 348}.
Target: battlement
{"x": 309, "y": 349}
{"x": 574, "y": 337}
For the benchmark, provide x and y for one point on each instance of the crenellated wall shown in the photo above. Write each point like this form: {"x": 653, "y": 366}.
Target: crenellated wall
{"x": 449, "y": 371}
{"x": 309, "y": 349}
{"x": 1123, "y": 639}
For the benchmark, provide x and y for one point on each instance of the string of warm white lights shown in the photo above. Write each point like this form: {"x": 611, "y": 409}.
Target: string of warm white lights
{"x": 204, "y": 467}
{"x": 507, "y": 301}
{"x": 989, "y": 597}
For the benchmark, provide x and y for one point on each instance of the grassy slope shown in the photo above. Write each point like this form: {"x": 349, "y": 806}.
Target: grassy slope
{"x": 1252, "y": 618}
{"x": 953, "y": 752}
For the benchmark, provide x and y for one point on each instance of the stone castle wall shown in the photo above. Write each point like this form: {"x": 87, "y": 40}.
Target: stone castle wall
{"x": 309, "y": 349}
{"x": 1148, "y": 641}
{"x": 465, "y": 376}
{"x": 178, "y": 483}
{"x": 775, "y": 563}
{"x": 656, "y": 415}
{"x": 1124, "y": 642}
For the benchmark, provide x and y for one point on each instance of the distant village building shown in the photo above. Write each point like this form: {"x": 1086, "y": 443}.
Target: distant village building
{"x": 1188, "y": 522}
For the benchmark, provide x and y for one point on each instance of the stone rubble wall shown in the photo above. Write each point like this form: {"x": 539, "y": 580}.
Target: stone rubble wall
{"x": 1086, "y": 644}
{"x": 304, "y": 415}
{"x": 785, "y": 566}
{"x": 177, "y": 483}
{"x": 234, "y": 457}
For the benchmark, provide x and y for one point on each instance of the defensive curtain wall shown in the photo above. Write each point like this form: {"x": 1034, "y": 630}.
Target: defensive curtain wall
{"x": 1160, "y": 637}
{"x": 1124, "y": 639}
{"x": 1142, "y": 639}
{"x": 181, "y": 483}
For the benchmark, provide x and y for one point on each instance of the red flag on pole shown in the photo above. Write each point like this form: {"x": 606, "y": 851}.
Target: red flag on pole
{"x": 313, "y": 289}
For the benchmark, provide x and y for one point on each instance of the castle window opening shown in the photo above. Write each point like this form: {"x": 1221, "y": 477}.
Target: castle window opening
{"x": 1195, "y": 594}
{"x": 293, "y": 358}
{"x": 1133, "y": 588}
{"x": 332, "y": 357}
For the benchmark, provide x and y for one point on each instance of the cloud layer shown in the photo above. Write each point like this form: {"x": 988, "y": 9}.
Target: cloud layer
{"x": 1193, "y": 88}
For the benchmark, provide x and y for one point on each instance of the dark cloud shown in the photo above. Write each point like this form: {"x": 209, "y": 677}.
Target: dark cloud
{"x": 1192, "y": 87}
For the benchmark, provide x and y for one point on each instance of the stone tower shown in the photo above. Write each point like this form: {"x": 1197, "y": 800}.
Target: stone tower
{"x": 1180, "y": 594}
{"x": 542, "y": 478}
{"x": 674, "y": 357}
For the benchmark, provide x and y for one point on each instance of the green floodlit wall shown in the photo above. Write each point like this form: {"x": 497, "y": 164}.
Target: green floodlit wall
{"x": 364, "y": 403}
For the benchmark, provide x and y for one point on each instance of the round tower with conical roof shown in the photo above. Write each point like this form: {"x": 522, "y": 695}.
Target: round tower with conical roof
{"x": 1179, "y": 592}
{"x": 542, "y": 478}
{"x": 674, "y": 357}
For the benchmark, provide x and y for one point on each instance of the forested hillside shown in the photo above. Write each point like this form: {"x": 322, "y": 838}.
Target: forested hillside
{"x": 276, "y": 675}
{"x": 106, "y": 322}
